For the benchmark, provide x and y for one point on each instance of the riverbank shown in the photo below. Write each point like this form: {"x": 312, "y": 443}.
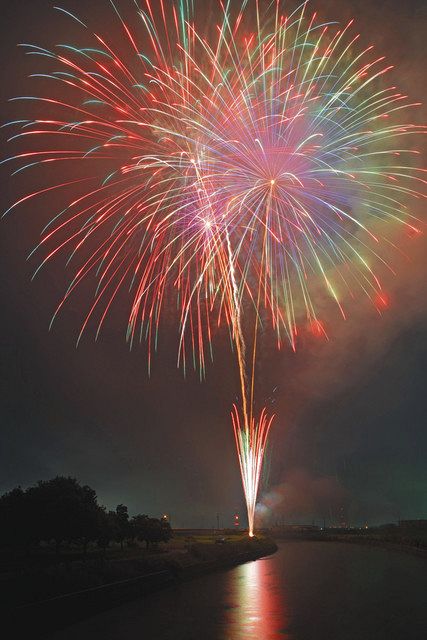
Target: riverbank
{"x": 106, "y": 583}
{"x": 412, "y": 546}
{"x": 372, "y": 541}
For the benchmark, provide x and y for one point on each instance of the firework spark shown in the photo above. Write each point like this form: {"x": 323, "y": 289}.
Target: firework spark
{"x": 233, "y": 169}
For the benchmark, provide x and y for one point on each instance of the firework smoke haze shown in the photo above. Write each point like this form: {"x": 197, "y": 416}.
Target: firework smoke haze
{"x": 244, "y": 175}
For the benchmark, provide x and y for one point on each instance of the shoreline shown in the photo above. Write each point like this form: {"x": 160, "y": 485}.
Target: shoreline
{"x": 411, "y": 549}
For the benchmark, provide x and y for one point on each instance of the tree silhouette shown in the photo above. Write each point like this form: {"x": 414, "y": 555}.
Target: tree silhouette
{"x": 150, "y": 530}
{"x": 62, "y": 510}
{"x": 122, "y": 518}
{"x": 66, "y": 511}
{"x": 17, "y": 520}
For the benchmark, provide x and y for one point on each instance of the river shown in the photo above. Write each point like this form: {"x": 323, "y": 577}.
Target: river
{"x": 306, "y": 591}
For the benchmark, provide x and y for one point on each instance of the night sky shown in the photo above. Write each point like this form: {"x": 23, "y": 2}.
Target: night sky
{"x": 351, "y": 412}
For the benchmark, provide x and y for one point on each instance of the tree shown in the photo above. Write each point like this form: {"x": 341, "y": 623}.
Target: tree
{"x": 106, "y": 530}
{"x": 150, "y": 530}
{"x": 122, "y": 518}
{"x": 118, "y": 524}
{"x": 138, "y": 527}
{"x": 66, "y": 510}
{"x": 17, "y": 520}
{"x": 165, "y": 531}
{"x": 63, "y": 510}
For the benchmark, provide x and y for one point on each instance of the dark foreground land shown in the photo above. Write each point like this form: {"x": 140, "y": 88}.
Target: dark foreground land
{"x": 45, "y": 591}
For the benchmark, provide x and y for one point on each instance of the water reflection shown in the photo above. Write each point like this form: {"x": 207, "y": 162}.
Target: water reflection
{"x": 261, "y": 609}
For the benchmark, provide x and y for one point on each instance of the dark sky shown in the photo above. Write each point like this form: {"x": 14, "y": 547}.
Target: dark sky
{"x": 351, "y": 425}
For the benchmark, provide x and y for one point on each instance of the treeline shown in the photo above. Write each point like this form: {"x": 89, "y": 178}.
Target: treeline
{"x": 61, "y": 511}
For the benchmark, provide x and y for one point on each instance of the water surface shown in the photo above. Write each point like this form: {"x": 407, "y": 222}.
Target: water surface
{"x": 306, "y": 591}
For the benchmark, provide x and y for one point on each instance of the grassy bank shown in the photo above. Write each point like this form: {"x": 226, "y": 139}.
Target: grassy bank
{"x": 44, "y": 574}
{"x": 51, "y": 594}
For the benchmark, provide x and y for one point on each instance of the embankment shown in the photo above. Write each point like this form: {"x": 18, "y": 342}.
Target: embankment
{"x": 392, "y": 544}
{"x": 113, "y": 582}
{"x": 413, "y": 546}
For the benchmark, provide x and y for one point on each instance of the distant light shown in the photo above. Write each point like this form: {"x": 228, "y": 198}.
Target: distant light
{"x": 272, "y": 182}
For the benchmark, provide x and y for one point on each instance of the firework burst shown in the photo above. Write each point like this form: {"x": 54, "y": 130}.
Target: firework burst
{"x": 233, "y": 169}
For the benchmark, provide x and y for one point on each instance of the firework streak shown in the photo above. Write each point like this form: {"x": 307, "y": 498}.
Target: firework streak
{"x": 237, "y": 169}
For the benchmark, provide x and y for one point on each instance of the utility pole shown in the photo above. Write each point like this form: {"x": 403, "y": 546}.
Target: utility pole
{"x": 217, "y": 521}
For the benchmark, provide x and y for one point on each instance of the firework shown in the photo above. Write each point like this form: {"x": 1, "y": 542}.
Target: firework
{"x": 236, "y": 169}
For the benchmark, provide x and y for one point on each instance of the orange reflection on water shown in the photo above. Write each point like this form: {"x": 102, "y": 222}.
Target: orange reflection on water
{"x": 259, "y": 610}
